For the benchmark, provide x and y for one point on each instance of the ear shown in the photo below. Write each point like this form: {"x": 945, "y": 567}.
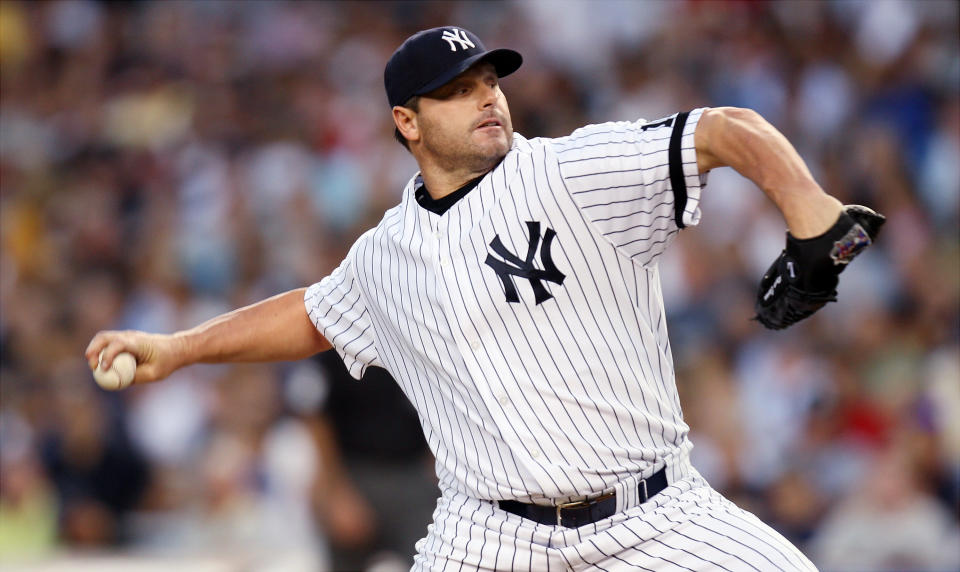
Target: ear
{"x": 406, "y": 121}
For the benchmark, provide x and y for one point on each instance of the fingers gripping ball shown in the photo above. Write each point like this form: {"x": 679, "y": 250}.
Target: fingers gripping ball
{"x": 805, "y": 275}
{"x": 119, "y": 375}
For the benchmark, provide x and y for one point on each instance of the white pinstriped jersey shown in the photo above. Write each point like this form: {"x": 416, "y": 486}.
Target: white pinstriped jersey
{"x": 569, "y": 387}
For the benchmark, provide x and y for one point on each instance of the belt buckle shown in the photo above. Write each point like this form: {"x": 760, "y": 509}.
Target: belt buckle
{"x": 566, "y": 505}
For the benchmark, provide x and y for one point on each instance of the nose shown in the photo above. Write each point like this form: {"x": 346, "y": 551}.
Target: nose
{"x": 488, "y": 96}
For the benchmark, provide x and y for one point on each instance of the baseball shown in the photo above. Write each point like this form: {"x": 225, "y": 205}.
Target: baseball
{"x": 120, "y": 374}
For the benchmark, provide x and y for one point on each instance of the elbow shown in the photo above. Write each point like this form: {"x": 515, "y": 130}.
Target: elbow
{"x": 721, "y": 129}
{"x": 735, "y": 114}
{"x": 725, "y": 121}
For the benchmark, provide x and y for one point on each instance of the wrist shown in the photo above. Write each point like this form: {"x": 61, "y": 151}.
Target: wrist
{"x": 182, "y": 348}
{"x": 810, "y": 214}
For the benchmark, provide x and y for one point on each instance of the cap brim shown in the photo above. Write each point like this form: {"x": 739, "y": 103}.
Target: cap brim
{"x": 505, "y": 61}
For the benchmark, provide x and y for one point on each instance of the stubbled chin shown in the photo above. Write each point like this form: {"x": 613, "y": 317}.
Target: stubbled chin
{"x": 491, "y": 154}
{"x": 497, "y": 139}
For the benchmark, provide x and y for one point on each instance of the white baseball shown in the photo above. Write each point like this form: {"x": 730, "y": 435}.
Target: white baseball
{"x": 120, "y": 374}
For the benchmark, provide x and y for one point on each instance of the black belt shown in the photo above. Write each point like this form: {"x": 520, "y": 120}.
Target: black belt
{"x": 579, "y": 513}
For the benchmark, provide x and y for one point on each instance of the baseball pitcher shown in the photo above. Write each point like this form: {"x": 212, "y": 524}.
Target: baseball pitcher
{"x": 515, "y": 296}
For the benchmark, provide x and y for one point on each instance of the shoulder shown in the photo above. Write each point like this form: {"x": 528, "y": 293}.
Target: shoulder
{"x": 599, "y": 133}
{"x": 588, "y": 134}
{"x": 387, "y": 228}
{"x": 590, "y": 138}
{"x": 392, "y": 217}
{"x": 594, "y": 141}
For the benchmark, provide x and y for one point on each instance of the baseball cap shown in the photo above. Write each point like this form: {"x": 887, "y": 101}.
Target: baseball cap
{"x": 431, "y": 58}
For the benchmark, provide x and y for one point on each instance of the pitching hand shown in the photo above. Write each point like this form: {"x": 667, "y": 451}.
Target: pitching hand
{"x": 157, "y": 355}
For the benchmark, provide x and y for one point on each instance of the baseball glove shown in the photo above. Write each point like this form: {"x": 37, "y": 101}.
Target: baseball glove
{"x": 805, "y": 275}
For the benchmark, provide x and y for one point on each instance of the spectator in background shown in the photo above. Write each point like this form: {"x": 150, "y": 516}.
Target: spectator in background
{"x": 251, "y": 480}
{"x": 888, "y": 525}
{"x": 259, "y": 474}
{"x": 377, "y": 489}
{"x": 99, "y": 477}
{"x": 28, "y": 505}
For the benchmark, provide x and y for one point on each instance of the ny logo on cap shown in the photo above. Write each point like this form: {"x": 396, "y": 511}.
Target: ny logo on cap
{"x": 459, "y": 36}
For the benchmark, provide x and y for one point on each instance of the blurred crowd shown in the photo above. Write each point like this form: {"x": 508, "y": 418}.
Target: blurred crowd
{"x": 163, "y": 162}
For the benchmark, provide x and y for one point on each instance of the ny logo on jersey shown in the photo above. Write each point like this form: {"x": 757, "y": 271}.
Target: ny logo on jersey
{"x": 512, "y": 265}
{"x": 459, "y": 36}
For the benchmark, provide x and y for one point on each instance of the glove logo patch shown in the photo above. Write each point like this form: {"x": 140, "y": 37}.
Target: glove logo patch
{"x": 773, "y": 289}
{"x": 848, "y": 247}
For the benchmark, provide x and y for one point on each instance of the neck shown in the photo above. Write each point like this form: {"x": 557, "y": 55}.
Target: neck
{"x": 442, "y": 184}
{"x": 441, "y": 180}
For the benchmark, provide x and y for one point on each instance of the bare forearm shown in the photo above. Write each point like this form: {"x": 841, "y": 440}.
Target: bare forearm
{"x": 275, "y": 329}
{"x": 742, "y": 139}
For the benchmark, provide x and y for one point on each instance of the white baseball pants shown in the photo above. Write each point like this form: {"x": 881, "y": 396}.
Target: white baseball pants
{"x": 688, "y": 526}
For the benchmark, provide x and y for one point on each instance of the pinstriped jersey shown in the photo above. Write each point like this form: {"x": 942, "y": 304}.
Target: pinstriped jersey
{"x": 526, "y": 323}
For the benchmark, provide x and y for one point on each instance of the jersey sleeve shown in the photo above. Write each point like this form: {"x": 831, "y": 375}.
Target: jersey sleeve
{"x": 637, "y": 182}
{"x": 336, "y": 307}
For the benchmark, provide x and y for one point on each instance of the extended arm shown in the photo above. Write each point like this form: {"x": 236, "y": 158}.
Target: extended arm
{"x": 742, "y": 139}
{"x": 275, "y": 329}
{"x": 824, "y": 236}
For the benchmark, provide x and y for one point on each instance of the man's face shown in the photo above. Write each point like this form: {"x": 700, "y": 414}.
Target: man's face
{"x": 466, "y": 123}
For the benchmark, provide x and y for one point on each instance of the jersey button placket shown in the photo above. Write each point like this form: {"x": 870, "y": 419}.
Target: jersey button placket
{"x": 442, "y": 257}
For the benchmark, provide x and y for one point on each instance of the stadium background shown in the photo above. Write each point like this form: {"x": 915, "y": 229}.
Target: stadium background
{"x": 161, "y": 162}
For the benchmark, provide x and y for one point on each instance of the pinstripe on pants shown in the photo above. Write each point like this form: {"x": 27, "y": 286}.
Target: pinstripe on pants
{"x": 688, "y": 526}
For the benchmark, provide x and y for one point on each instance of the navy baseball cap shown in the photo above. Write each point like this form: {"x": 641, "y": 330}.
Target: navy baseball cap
{"x": 433, "y": 57}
